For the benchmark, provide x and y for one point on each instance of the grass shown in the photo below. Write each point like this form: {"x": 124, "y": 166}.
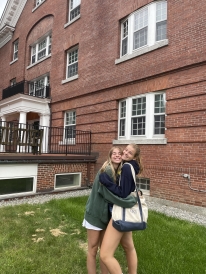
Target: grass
{"x": 49, "y": 238}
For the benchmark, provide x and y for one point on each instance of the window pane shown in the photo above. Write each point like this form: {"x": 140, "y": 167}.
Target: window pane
{"x": 143, "y": 183}
{"x": 75, "y": 3}
{"x": 139, "y": 106}
{"x": 70, "y": 118}
{"x": 125, "y": 29}
{"x": 161, "y": 11}
{"x": 159, "y": 103}
{"x": 17, "y": 185}
{"x": 72, "y": 70}
{"x": 67, "y": 180}
{"x": 140, "y": 38}
{"x": 122, "y": 127}
{"x": 124, "y": 46}
{"x": 16, "y": 46}
{"x": 123, "y": 109}
{"x": 70, "y": 132}
{"x": 141, "y": 19}
{"x": 159, "y": 126}
{"x": 74, "y": 13}
{"x": 73, "y": 56}
{"x": 42, "y": 44}
{"x": 161, "y": 31}
{"x": 138, "y": 126}
{"x": 41, "y": 54}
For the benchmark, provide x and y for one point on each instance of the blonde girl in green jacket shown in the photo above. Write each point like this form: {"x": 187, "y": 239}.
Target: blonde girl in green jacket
{"x": 97, "y": 215}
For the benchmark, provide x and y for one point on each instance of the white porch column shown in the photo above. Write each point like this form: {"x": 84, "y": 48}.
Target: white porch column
{"x": 22, "y": 120}
{"x": 3, "y": 123}
{"x": 22, "y": 117}
{"x": 44, "y": 124}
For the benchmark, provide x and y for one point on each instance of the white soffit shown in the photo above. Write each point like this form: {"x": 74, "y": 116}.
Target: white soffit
{"x": 21, "y": 102}
{"x": 9, "y": 18}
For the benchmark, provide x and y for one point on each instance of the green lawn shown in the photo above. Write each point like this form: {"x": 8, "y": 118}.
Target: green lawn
{"x": 49, "y": 238}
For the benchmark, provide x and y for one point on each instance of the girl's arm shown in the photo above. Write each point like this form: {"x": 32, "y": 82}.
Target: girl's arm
{"x": 126, "y": 184}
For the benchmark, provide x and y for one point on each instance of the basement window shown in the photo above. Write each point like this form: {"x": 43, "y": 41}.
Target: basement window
{"x": 16, "y": 186}
{"x": 67, "y": 180}
{"x": 143, "y": 184}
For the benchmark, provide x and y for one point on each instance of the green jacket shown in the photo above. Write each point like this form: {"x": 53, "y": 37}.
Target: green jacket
{"x": 97, "y": 212}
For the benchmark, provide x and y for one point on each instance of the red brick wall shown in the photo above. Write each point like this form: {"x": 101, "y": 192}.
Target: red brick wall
{"x": 46, "y": 173}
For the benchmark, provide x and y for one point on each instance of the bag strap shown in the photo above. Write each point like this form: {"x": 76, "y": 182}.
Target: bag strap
{"x": 138, "y": 199}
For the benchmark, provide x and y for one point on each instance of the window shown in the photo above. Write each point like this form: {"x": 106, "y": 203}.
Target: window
{"x": 38, "y": 2}
{"x": 70, "y": 126}
{"x": 142, "y": 116}
{"x": 161, "y": 21}
{"x": 16, "y": 47}
{"x": 74, "y": 9}
{"x": 39, "y": 87}
{"x": 16, "y": 185}
{"x": 72, "y": 62}
{"x": 67, "y": 180}
{"x": 41, "y": 49}
{"x": 13, "y": 82}
{"x": 18, "y": 179}
{"x": 144, "y": 27}
{"x": 143, "y": 184}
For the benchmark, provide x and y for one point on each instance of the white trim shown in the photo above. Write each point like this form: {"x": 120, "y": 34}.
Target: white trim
{"x": 72, "y": 21}
{"x": 143, "y": 50}
{"x": 141, "y": 141}
{"x": 13, "y": 61}
{"x": 149, "y": 114}
{"x": 21, "y": 102}
{"x": 37, "y": 6}
{"x": 70, "y": 79}
{"x": 30, "y": 66}
{"x": 17, "y": 171}
{"x": 68, "y": 187}
{"x": 9, "y": 18}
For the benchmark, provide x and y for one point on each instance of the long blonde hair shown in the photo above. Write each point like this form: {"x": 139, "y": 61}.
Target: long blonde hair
{"x": 108, "y": 162}
{"x": 137, "y": 157}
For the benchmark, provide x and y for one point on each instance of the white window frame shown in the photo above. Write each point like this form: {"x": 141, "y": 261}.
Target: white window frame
{"x": 38, "y": 2}
{"x": 18, "y": 171}
{"x": 74, "y": 10}
{"x": 39, "y": 50}
{"x": 146, "y": 18}
{"x": 72, "y": 62}
{"x": 70, "y": 122}
{"x": 77, "y": 174}
{"x": 149, "y": 136}
{"x": 16, "y": 49}
{"x": 35, "y": 86}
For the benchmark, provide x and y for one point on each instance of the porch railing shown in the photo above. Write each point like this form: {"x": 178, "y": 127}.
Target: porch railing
{"x": 25, "y": 88}
{"x": 27, "y": 138}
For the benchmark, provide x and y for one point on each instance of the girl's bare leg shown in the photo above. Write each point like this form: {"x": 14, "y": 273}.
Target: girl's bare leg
{"x": 110, "y": 243}
{"x": 103, "y": 267}
{"x": 94, "y": 237}
{"x": 131, "y": 255}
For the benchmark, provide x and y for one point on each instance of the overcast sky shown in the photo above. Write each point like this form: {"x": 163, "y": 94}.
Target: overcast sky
{"x": 2, "y": 6}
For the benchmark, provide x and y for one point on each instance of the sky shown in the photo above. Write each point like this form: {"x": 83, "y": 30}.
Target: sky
{"x": 2, "y": 6}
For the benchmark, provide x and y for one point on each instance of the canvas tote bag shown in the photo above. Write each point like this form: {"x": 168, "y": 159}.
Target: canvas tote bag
{"x": 131, "y": 219}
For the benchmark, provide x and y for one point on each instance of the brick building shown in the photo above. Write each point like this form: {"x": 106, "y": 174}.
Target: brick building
{"x": 127, "y": 72}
